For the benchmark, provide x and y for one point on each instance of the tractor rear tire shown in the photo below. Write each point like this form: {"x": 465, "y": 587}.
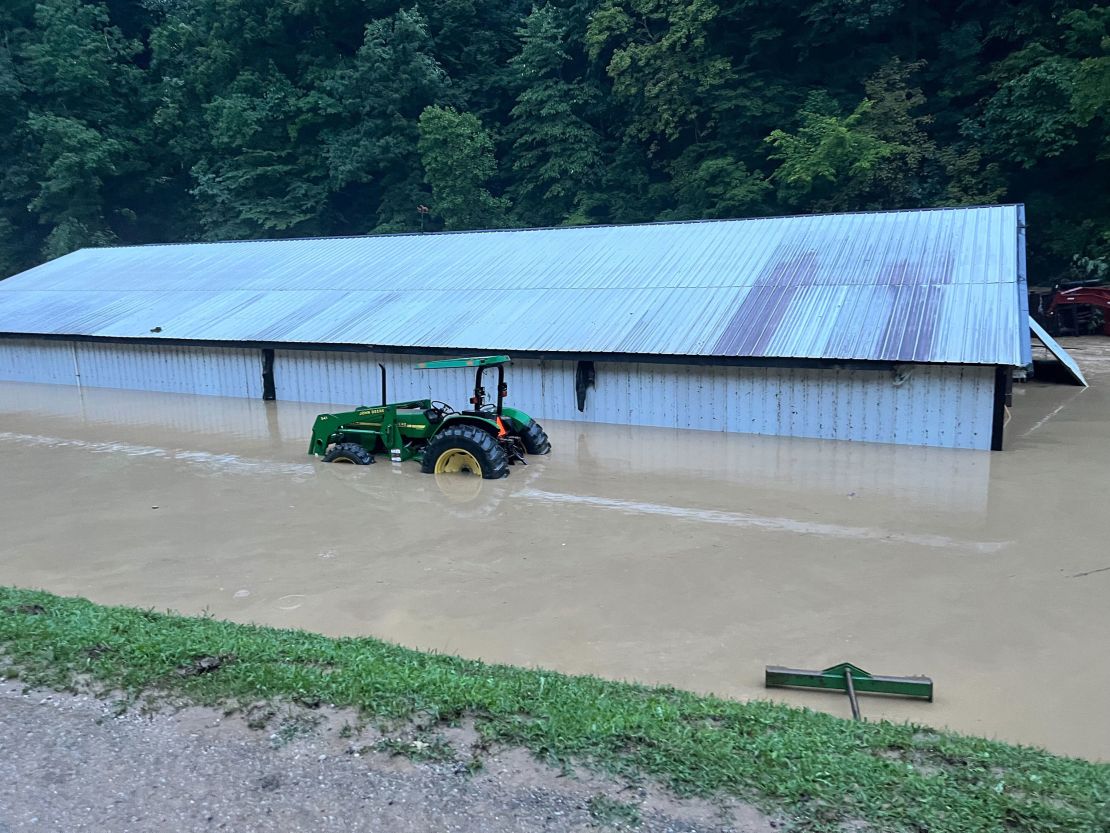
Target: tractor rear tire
{"x": 465, "y": 446}
{"x": 535, "y": 439}
{"x": 349, "y": 453}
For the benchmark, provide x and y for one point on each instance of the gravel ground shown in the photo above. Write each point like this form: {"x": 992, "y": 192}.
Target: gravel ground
{"x": 71, "y": 764}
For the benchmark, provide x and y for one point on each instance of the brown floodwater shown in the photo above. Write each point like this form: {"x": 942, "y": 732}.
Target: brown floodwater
{"x": 688, "y": 558}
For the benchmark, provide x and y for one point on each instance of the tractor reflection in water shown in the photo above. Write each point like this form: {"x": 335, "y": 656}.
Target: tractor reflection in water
{"x": 484, "y": 440}
{"x": 457, "y": 495}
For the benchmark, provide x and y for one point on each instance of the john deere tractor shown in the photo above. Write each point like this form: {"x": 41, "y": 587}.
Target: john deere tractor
{"x": 484, "y": 440}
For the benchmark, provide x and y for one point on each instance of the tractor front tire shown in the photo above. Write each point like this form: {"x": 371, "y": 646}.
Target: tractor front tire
{"x": 464, "y": 448}
{"x": 535, "y": 439}
{"x": 349, "y": 453}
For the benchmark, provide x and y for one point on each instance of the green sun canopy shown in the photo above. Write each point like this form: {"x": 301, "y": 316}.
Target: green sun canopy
{"x": 477, "y": 361}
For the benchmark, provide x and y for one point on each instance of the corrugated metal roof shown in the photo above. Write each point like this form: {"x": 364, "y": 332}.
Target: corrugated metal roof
{"x": 939, "y": 285}
{"x": 1062, "y": 355}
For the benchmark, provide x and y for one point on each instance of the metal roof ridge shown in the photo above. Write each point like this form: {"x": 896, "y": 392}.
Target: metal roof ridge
{"x": 523, "y": 229}
{"x": 500, "y": 290}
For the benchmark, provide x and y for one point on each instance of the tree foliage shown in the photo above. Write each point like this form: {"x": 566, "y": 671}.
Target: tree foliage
{"x": 457, "y": 154}
{"x": 131, "y": 121}
{"x": 556, "y": 152}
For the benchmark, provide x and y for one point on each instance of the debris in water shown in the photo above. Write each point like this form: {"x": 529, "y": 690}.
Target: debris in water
{"x": 1091, "y": 572}
{"x": 290, "y": 602}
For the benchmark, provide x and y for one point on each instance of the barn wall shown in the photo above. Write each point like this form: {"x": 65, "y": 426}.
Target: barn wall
{"x": 933, "y": 405}
{"x": 52, "y": 362}
{"x": 936, "y": 405}
{"x": 201, "y": 370}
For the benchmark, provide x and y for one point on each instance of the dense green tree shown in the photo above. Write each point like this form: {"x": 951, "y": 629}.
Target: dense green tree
{"x": 832, "y": 161}
{"x": 376, "y": 98}
{"x": 556, "y": 153}
{"x": 87, "y": 150}
{"x": 708, "y": 182}
{"x": 457, "y": 153}
{"x": 473, "y": 41}
{"x": 143, "y": 120}
{"x": 20, "y": 233}
{"x": 661, "y": 62}
{"x": 262, "y": 177}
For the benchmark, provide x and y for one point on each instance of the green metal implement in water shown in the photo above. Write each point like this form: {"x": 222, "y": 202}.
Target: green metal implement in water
{"x": 849, "y": 679}
{"x": 483, "y": 440}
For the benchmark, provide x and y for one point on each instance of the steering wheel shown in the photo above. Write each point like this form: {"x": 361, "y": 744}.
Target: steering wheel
{"x": 442, "y": 407}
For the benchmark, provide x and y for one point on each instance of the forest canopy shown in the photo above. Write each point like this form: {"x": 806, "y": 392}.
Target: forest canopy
{"x": 136, "y": 121}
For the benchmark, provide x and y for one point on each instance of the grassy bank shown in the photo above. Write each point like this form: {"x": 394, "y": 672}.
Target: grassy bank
{"x": 818, "y": 769}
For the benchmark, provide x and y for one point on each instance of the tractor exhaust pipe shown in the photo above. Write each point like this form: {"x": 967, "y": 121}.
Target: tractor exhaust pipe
{"x": 385, "y": 400}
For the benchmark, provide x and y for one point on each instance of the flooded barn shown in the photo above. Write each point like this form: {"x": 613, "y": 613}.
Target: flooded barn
{"x": 893, "y": 327}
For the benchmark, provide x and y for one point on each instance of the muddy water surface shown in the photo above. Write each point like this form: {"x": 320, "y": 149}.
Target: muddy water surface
{"x": 689, "y": 558}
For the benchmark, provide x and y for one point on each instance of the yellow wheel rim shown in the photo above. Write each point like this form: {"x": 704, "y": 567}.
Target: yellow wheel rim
{"x": 456, "y": 460}
{"x": 343, "y": 460}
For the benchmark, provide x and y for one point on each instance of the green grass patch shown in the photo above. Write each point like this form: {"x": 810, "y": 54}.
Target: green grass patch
{"x": 818, "y": 770}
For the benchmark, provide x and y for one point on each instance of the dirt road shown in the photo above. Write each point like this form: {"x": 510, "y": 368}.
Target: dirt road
{"x": 72, "y": 764}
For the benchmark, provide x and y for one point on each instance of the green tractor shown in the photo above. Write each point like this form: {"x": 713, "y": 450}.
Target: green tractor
{"x": 483, "y": 441}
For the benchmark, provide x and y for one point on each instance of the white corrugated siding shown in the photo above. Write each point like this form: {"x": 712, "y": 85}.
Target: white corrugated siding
{"x": 51, "y": 362}
{"x": 202, "y": 370}
{"x": 936, "y": 405}
{"x": 933, "y": 405}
